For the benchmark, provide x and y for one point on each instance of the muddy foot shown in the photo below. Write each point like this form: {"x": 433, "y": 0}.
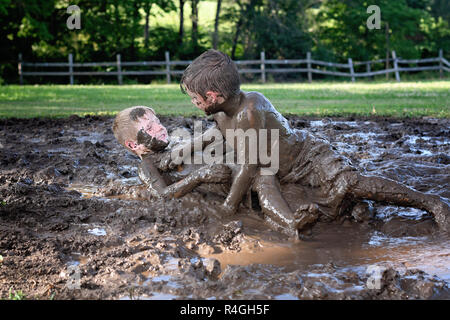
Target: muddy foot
{"x": 306, "y": 215}
{"x": 225, "y": 210}
{"x": 441, "y": 213}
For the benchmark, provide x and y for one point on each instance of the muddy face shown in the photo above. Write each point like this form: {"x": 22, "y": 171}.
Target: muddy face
{"x": 151, "y": 134}
{"x": 150, "y": 142}
{"x": 151, "y": 125}
{"x": 198, "y": 101}
{"x": 70, "y": 196}
{"x": 212, "y": 104}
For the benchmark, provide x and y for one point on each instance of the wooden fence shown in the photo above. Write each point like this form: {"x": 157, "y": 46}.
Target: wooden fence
{"x": 166, "y": 67}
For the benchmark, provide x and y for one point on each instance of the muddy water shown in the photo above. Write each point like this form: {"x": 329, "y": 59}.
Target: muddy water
{"x": 71, "y": 197}
{"x": 346, "y": 247}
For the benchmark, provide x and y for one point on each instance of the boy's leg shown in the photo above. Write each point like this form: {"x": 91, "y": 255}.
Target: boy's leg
{"x": 391, "y": 192}
{"x": 275, "y": 207}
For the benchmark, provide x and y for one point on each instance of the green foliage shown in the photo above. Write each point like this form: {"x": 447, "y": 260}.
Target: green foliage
{"x": 332, "y": 29}
{"x": 342, "y": 27}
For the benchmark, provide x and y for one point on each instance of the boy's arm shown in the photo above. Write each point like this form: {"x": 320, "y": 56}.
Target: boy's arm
{"x": 202, "y": 140}
{"x": 249, "y": 118}
{"x": 150, "y": 175}
{"x": 240, "y": 187}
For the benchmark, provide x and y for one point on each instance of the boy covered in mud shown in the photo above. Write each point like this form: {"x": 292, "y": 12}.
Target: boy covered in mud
{"x": 140, "y": 131}
{"x": 329, "y": 181}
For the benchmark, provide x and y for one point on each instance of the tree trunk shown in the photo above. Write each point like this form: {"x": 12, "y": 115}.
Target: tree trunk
{"x": 136, "y": 19}
{"x": 181, "y": 30}
{"x": 239, "y": 23}
{"x": 194, "y": 18}
{"x": 148, "y": 8}
{"x": 117, "y": 23}
{"x": 216, "y": 26}
{"x": 387, "y": 49}
{"x": 236, "y": 37}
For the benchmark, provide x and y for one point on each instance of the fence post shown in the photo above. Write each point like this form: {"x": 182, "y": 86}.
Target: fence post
{"x": 19, "y": 68}
{"x": 441, "y": 69}
{"x": 71, "y": 68}
{"x": 352, "y": 71}
{"x": 119, "y": 69}
{"x": 397, "y": 74}
{"x": 369, "y": 69}
{"x": 167, "y": 66}
{"x": 308, "y": 65}
{"x": 263, "y": 67}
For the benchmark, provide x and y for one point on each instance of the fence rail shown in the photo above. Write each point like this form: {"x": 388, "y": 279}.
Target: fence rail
{"x": 168, "y": 71}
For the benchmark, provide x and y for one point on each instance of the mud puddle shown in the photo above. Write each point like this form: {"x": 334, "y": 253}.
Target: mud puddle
{"x": 346, "y": 250}
{"x": 71, "y": 199}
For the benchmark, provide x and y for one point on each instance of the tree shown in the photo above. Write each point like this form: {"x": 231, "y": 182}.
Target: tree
{"x": 194, "y": 19}
{"x": 243, "y": 14}
{"x": 147, "y": 8}
{"x": 181, "y": 30}
{"x": 405, "y": 28}
{"x": 274, "y": 26}
{"x": 216, "y": 25}
{"x": 165, "y": 5}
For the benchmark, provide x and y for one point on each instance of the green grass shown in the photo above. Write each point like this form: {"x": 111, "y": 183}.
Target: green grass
{"x": 15, "y": 295}
{"x": 406, "y": 99}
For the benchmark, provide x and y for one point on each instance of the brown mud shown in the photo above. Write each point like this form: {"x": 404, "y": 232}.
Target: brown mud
{"x": 70, "y": 198}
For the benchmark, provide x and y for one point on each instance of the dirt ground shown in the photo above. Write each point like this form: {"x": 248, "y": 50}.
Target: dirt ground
{"x": 71, "y": 204}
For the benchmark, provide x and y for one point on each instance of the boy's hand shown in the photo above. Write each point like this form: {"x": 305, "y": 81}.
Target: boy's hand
{"x": 166, "y": 163}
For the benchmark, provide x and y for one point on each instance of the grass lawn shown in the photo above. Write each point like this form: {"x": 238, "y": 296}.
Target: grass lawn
{"x": 406, "y": 99}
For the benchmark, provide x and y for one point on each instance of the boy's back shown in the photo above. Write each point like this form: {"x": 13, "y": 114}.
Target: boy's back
{"x": 256, "y": 112}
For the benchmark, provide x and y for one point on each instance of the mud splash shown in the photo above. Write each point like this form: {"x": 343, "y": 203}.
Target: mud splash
{"x": 71, "y": 197}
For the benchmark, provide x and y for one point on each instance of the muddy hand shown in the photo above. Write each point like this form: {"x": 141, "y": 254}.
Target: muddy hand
{"x": 215, "y": 173}
{"x": 166, "y": 163}
{"x": 306, "y": 215}
{"x": 150, "y": 142}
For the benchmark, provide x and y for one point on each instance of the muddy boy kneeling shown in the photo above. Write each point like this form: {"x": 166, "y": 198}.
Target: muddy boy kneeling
{"x": 332, "y": 184}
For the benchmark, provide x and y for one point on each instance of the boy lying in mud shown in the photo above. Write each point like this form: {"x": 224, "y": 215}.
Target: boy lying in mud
{"x": 139, "y": 130}
{"x": 330, "y": 182}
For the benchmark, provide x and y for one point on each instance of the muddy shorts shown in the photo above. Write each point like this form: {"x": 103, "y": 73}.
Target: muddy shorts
{"x": 316, "y": 169}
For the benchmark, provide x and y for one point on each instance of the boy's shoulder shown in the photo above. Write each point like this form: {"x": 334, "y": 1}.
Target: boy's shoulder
{"x": 254, "y": 102}
{"x": 255, "y": 98}
{"x": 253, "y": 109}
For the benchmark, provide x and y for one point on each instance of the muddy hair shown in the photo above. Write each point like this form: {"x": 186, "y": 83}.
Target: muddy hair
{"x": 211, "y": 71}
{"x": 124, "y": 126}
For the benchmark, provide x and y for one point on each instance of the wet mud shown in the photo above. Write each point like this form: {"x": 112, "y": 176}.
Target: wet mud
{"x": 71, "y": 202}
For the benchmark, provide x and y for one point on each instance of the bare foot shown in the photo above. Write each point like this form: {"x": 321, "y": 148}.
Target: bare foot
{"x": 441, "y": 213}
{"x": 226, "y": 210}
{"x": 306, "y": 215}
